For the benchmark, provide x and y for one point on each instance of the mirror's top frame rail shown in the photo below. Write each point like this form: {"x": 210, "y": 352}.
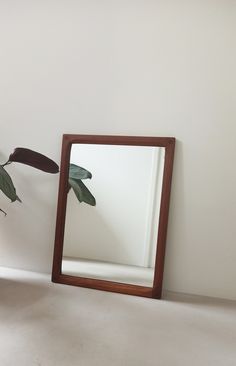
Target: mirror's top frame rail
{"x": 119, "y": 140}
{"x": 67, "y": 140}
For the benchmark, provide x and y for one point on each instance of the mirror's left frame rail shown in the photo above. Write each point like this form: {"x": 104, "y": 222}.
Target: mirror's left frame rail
{"x": 57, "y": 276}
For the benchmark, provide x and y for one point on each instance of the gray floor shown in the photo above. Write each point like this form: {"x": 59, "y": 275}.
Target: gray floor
{"x": 45, "y": 324}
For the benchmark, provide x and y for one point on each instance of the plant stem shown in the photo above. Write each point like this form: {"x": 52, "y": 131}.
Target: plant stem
{"x": 7, "y": 163}
{"x": 3, "y": 212}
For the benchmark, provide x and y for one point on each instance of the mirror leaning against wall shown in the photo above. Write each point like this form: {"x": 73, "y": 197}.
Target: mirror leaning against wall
{"x": 112, "y": 214}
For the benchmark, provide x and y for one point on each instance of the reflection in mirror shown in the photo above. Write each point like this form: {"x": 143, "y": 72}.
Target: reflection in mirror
{"x": 112, "y": 213}
{"x": 116, "y": 239}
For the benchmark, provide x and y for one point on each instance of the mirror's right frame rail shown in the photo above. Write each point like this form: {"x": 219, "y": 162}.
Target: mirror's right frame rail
{"x": 57, "y": 276}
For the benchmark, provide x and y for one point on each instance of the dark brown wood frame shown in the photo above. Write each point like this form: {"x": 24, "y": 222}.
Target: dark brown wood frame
{"x": 153, "y": 292}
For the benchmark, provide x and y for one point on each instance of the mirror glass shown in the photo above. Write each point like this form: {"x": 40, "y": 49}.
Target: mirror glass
{"x": 116, "y": 240}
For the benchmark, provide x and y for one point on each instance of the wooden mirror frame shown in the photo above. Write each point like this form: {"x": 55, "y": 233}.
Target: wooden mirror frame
{"x": 153, "y": 292}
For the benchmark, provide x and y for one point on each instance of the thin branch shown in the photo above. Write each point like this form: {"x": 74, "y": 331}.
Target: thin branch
{"x": 3, "y": 212}
{"x": 7, "y": 163}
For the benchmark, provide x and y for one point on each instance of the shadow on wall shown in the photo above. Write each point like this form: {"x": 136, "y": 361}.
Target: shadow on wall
{"x": 177, "y": 225}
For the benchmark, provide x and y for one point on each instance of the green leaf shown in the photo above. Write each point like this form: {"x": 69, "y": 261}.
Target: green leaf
{"x": 6, "y": 185}
{"x": 77, "y": 172}
{"x": 34, "y": 159}
{"x": 81, "y": 191}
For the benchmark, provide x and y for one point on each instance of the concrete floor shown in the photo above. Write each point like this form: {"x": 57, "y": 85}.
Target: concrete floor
{"x": 46, "y": 324}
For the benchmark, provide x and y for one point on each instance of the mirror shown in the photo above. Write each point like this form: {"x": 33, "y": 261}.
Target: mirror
{"x": 112, "y": 213}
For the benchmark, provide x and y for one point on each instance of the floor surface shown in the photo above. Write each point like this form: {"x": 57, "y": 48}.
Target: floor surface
{"x": 46, "y": 324}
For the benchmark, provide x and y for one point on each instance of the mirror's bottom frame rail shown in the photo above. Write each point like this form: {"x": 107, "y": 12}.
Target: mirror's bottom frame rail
{"x": 110, "y": 286}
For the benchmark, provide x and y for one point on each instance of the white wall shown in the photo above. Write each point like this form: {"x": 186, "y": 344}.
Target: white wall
{"x": 144, "y": 67}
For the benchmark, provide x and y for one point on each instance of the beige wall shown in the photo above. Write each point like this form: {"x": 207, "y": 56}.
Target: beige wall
{"x": 163, "y": 68}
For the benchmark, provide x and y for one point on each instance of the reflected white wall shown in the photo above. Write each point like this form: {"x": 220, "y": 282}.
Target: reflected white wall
{"x": 119, "y": 229}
